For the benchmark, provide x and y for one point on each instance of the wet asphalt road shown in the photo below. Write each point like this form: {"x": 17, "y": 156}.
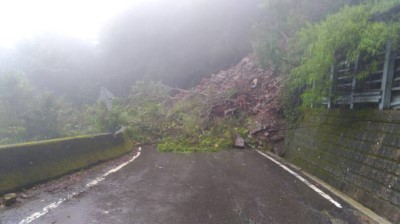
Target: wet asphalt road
{"x": 230, "y": 186}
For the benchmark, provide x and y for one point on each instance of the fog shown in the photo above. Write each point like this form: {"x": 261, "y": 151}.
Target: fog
{"x": 177, "y": 42}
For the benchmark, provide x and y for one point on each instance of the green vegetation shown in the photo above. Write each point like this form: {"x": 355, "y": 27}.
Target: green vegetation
{"x": 151, "y": 114}
{"x": 276, "y": 37}
{"x": 303, "y": 39}
{"x": 300, "y": 39}
{"x": 175, "y": 42}
{"x": 283, "y": 20}
{"x": 184, "y": 124}
{"x": 28, "y": 114}
{"x": 346, "y": 35}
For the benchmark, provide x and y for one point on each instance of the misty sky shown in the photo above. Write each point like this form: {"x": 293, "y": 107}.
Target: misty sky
{"x": 22, "y": 19}
{"x": 173, "y": 41}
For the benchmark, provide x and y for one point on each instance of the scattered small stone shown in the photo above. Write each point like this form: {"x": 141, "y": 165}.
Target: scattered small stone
{"x": 239, "y": 142}
{"x": 10, "y": 199}
{"x": 254, "y": 83}
{"x": 20, "y": 200}
{"x": 23, "y": 195}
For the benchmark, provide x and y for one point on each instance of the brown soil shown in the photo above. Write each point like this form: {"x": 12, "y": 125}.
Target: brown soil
{"x": 256, "y": 94}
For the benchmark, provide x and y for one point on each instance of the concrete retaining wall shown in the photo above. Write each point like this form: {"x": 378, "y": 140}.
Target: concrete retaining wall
{"x": 23, "y": 165}
{"x": 358, "y": 152}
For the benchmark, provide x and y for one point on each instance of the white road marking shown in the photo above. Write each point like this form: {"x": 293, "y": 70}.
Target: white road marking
{"x": 92, "y": 183}
{"x": 312, "y": 186}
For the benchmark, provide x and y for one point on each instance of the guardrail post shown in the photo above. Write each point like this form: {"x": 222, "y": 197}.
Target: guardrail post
{"x": 354, "y": 82}
{"x": 387, "y": 77}
{"x": 353, "y": 87}
{"x": 331, "y": 77}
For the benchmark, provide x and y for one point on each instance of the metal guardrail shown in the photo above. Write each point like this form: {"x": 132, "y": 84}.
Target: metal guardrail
{"x": 380, "y": 88}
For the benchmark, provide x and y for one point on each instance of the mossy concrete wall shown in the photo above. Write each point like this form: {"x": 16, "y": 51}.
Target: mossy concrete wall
{"x": 23, "y": 165}
{"x": 358, "y": 152}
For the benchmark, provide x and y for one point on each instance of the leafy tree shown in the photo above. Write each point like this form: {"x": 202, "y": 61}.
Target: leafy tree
{"x": 42, "y": 121}
{"x": 283, "y": 19}
{"x": 27, "y": 114}
{"x": 64, "y": 65}
{"x": 146, "y": 111}
{"x": 346, "y": 35}
{"x": 15, "y": 95}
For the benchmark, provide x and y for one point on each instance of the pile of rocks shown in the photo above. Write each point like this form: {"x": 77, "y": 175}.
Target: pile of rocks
{"x": 250, "y": 90}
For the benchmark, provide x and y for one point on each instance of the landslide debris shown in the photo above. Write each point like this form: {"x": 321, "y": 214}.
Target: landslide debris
{"x": 248, "y": 90}
{"x": 9, "y": 199}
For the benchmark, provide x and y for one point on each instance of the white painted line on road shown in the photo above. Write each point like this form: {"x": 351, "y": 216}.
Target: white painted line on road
{"x": 92, "y": 183}
{"x": 312, "y": 186}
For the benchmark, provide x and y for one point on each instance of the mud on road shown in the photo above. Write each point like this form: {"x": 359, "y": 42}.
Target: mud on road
{"x": 230, "y": 186}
